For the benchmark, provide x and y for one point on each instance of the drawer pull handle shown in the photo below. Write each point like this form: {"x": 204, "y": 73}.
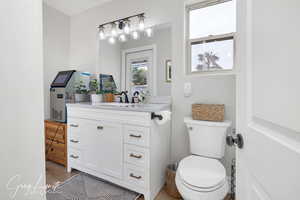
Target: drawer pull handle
{"x": 136, "y": 156}
{"x": 100, "y": 127}
{"x": 74, "y": 141}
{"x": 134, "y": 176}
{"x": 75, "y": 157}
{"x": 135, "y": 136}
{"x": 74, "y": 125}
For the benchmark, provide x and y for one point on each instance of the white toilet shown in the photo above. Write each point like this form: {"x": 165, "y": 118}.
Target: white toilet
{"x": 201, "y": 176}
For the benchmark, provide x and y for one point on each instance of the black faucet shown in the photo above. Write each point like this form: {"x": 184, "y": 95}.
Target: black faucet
{"x": 135, "y": 97}
{"x": 126, "y": 96}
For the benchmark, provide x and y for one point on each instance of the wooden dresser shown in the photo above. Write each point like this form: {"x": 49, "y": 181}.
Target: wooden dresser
{"x": 56, "y": 142}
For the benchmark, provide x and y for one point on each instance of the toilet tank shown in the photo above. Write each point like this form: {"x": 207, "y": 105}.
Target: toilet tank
{"x": 207, "y": 138}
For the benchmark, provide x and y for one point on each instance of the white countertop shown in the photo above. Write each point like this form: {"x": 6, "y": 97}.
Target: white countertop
{"x": 123, "y": 106}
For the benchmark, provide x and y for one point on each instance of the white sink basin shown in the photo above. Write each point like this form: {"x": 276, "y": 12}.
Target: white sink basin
{"x": 113, "y": 104}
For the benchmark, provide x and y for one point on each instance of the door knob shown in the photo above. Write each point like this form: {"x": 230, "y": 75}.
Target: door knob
{"x": 235, "y": 140}
{"x": 100, "y": 127}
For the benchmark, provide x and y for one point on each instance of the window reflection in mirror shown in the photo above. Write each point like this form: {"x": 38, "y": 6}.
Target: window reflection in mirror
{"x": 139, "y": 65}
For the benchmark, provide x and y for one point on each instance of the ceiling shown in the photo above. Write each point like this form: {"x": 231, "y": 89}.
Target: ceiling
{"x": 73, "y": 7}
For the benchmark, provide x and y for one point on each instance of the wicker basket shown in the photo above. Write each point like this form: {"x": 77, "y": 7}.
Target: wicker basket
{"x": 208, "y": 112}
{"x": 171, "y": 187}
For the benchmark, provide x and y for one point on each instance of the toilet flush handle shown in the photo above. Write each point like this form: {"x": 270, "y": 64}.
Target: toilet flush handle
{"x": 190, "y": 128}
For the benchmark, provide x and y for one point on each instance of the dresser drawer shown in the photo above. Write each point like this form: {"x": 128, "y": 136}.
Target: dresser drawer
{"x": 75, "y": 157}
{"x": 137, "y": 135}
{"x": 55, "y": 131}
{"x": 56, "y": 152}
{"x": 136, "y": 176}
{"x": 136, "y": 155}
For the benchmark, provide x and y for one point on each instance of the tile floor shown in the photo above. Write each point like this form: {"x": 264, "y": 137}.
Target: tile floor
{"x": 57, "y": 173}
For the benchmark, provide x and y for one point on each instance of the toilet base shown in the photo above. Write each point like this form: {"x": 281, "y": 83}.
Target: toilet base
{"x": 189, "y": 194}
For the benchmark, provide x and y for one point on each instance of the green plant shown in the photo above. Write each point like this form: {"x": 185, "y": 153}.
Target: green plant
{"x": 80, "y": 88}
{"x": 94, "y": 87}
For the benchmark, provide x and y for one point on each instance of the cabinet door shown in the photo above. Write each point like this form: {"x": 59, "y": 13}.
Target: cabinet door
{"x": 103, "y": 147}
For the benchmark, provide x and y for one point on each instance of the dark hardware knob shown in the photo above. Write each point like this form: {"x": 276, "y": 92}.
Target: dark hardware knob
{"x": 52, "y": 149}
{"x": 100, "y": 127}
{"x": 136, "y": 177}
{"x": 74, "y": 125}
{"x": 135, "y": 136}
{"x": 235, "y": 140}
{"x": 136, "y": 156}
{"x": 153, "y": 116}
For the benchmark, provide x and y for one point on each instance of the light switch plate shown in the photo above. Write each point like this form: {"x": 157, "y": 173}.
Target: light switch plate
{"x": 187, "y": 89}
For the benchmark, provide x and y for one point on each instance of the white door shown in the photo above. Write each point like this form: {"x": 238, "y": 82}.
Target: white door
{"x": 139, "y": 71}
{"x": 268, "y": 49}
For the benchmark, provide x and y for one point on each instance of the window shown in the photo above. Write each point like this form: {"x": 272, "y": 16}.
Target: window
{"x": 139, "y": 70}
{"x": 210, "y": 39}
{"x": 139, "y": 73}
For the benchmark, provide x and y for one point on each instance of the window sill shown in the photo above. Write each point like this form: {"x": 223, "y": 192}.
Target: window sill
{"x": 213, "y": 73}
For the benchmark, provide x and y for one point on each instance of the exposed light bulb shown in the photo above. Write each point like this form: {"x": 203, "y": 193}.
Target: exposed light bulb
{"x": 149, "y": 32}
{"x": 122, "y": 38}
{"x": 135, "y": 35}
{"x": 114, "y": 32}
{"x": 101, "y": 33}
{"x": 112, "y": 40}
{"x": 127, "y": 27}
{"x": 141, "y": 22}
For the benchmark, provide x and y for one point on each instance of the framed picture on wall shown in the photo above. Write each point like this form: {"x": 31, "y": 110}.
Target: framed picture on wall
{"x": 168, "y": 71}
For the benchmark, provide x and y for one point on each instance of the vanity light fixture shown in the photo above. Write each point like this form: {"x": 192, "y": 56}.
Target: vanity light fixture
{"x": 112, "y": 40}
{"x": 101, "y": 33}
{"x": 142, "y": 22}
{"x": 127, "y": 27}
{"x": 122, "y": 37}
{"x": 135, "y": 35}
{"x": 118, "y": 29}
{"x": 149, "y": 32}
{"x": 114, "y": 32}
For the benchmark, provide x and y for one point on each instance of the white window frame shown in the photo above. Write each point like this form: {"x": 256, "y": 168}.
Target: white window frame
{"x": 153, "y": 71}
{"x": 220, "y": 37}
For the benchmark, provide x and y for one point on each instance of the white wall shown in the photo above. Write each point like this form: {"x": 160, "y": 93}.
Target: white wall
{"x": 162, "y": 38}
{"x": 21, "y": 116}
{"x": 56, "y": 27}
{"x": 212, "y": 89}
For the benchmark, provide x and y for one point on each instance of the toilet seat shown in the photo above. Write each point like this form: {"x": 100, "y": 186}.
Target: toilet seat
{"x": 201, "y": 174}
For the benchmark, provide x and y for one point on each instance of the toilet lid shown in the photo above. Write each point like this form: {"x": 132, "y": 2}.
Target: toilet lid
{"x": 202, "y": 172}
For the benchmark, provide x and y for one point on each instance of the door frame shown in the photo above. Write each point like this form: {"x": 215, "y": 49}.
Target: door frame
{"x": 153, "y": 48}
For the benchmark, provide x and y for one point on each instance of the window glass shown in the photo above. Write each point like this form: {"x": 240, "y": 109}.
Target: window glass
{"x": 139, "y": 71}
{"x": 212, "y": 20}
{"x": 212, "y": 55}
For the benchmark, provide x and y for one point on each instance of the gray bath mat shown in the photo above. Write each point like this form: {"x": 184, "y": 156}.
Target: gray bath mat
{"x": 86, "y": 187}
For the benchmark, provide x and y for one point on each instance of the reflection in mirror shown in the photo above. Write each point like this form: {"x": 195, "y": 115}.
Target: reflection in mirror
{"x": 141, "y": 64}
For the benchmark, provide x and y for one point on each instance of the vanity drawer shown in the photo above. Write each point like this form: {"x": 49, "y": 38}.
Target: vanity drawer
{"x": 137, "y": 135}
{"x": 75, "y": 156}
{"x": 136, "y": 155}
{"x": 75, "y": 125}
{"x": 136, "y": 176}
{"x": 74, "y": 141}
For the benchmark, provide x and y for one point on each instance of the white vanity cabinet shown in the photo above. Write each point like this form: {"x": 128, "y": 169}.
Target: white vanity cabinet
{"x": 124, "y": 147}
